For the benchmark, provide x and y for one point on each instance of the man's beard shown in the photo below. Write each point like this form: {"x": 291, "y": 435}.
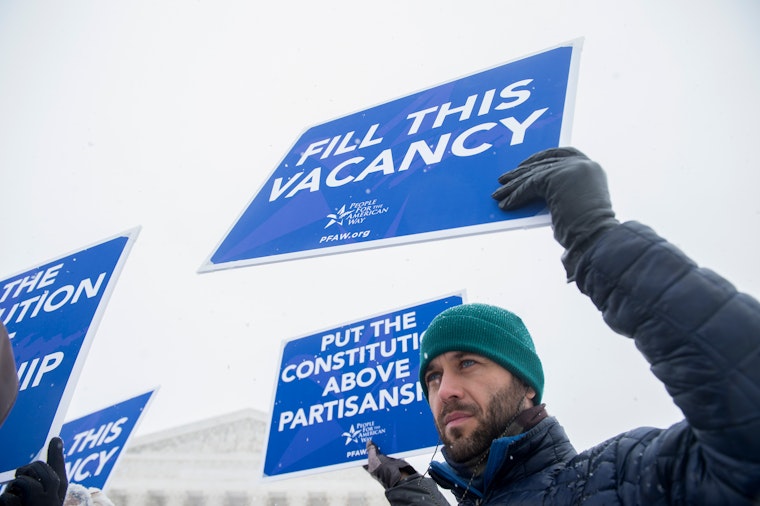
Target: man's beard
{"x": 502, "y": 409}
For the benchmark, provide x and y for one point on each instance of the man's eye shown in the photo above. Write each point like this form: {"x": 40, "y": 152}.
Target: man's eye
{"x": 433, "y": 376}
{"x": 464, "y": 364}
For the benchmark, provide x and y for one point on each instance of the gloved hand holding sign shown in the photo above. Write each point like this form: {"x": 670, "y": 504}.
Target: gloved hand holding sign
{"x": 387, "y": 470}
{"x": 575, "y": 190}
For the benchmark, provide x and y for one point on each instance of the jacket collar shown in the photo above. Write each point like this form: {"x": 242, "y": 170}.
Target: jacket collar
{"x": 504, "y": 454}
{"x": 459, "y": 480}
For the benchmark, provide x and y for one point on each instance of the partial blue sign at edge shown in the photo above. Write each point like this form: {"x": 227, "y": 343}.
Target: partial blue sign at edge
{"x": 342, "y": 386}
{"x": 93, "y": 444}
{"x": 418, "y": 168}
{"x": 51, "y": 312}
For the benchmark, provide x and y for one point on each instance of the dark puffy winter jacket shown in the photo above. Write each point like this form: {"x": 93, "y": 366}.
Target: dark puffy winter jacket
{"x": 702, "y": 339}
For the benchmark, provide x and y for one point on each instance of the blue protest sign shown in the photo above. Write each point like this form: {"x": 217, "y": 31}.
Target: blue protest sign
{"x": 417, "y": 168}
{"x": 94, "y": 443}
{"x": 51, "y": 312}
{"x": 340, "y": 387}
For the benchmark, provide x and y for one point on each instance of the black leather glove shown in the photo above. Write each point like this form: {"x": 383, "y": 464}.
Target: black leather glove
{"x": 387, "y": 470}
{"x": 575, "y": 190}
{"x": 40, "y": 483}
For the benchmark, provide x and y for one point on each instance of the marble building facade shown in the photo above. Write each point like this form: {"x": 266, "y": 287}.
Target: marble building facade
{"x": 217, "y": 462}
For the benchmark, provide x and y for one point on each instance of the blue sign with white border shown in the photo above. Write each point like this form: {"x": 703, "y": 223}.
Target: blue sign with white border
{"x": 342, "y": 386}
{"x": 51, "y": 312}
{"x": 417, "y": 168}
{"x": 93, "y": 444}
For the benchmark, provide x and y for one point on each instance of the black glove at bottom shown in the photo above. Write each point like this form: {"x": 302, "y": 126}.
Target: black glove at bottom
{"x": 39, "y": 483}
{"x": 387, "y": 470}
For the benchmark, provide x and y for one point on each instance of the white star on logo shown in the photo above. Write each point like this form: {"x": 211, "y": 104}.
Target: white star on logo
{"x": 338, "y": 216}
{"x": 351, "y": 435}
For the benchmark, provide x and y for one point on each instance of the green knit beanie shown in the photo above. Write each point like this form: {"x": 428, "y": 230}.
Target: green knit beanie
{"x": 491, "y": 331}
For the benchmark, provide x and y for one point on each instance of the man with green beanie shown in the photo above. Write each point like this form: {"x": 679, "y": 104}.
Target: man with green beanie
{"x": 484, "y": 382}
{"x": 489, "y": 351}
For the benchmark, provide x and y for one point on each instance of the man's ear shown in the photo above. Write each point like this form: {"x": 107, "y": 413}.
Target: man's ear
{"x": 530, "y": 393}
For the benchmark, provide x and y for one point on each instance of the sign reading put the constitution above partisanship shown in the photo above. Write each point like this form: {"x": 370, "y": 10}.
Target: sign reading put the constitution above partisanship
{"x": 417, "y": 168}
{"x": 51, "y": 312}
{"x": 93, "y": 444}
{"x": 340, "y": 387}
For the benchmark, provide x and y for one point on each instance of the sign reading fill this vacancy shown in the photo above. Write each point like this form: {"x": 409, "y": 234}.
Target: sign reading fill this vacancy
{"x": 417, "y": 168}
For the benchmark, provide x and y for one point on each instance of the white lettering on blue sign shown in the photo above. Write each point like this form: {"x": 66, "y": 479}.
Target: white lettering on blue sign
{"x": 89, "y": 441}
{"x": 347, "y": 144}
{"x": 106, "y": 433}
{"x": 350, "y": 406}
{"x": 384, "y": 161}
{"x": 47, "y": 301}
{"x": 80, "y": 469}
{"x": 345, "y": 172}
{"x": 29, "y": 376}
{"x": 351, "y": 355}
{"x": 367, "y": 376}
{"x": 355, "y": 356}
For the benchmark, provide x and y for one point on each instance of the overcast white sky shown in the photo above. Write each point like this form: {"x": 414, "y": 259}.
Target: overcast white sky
{"x": 170, "y": 115}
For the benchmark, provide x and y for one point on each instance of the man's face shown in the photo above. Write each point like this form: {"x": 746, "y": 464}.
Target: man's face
{"x": 472, "y": 399}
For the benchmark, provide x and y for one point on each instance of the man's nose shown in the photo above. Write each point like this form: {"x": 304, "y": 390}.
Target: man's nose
{"x": 450, "y": 387}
